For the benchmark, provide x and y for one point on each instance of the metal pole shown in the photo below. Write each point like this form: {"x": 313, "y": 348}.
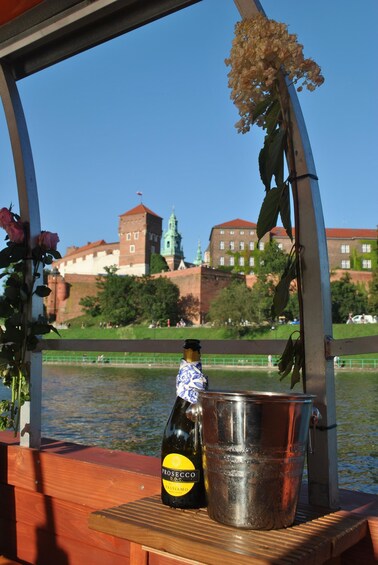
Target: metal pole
{"x": 317, "y": 322}
{"x": 29, "y": 212}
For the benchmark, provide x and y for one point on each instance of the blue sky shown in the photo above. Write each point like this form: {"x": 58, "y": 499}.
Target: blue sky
{"x": 150, "y": 112}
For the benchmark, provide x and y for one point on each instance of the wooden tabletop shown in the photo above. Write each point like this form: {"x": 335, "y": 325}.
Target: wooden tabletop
{"x": 313, "y": 539}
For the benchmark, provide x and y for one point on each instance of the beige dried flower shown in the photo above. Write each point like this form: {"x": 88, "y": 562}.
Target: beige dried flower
{"x": 260, "y": 49}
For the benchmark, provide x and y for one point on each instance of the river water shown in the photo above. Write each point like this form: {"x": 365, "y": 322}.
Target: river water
{"x": 126, "y": 409}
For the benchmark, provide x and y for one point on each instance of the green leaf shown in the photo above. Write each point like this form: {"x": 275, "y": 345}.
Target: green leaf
{"x": 5, "y": 255}
{"x": 42, "y": 291}
{"x": 285, "y": 209}
{"x": 261, "y": 108}
{"x": 5, "y": 309}
{"x": 263, "y": 168}
{"x": 268, "y": 216}
{"x": 12, "y": 294}
{"x": 285, "y": 362}
{"x": 276, "y": 154}
{"x": 298, "y": 363}
{"x": 272, "y": 116}
{"x": 55, "y": 253}
{"x": 282, "y": 290}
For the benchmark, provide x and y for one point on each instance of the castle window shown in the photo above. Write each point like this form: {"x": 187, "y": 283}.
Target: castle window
{"x": 241, "y": 232}
{"x": 221, "y": 245}
{"x": 136, "y": 235}
{"x": 251, "y": 261}
{"x": 345, "y": 249}
{"x": 132, "y": 248}
{"x": 261, "y": 246}
{"x": 345, "y": 264}
{"x": 241, "y": 261}
{"x": 251, "y": 232}
{"x": 241, "y": 245}
{"x": 366, "y": 248}
{"x": 128, "y": 236}
{"x": 232, "y": 232}
{"x": 221, "y": 261}
{"x": 221, "y": 232}
{"x": 366, "y": 264}
{"x": 251, "y": 245}
{"x": 232, "y": 245}
{"x": 232, "y": 261}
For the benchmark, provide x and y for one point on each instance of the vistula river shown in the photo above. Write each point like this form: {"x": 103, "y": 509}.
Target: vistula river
{"x": 126, "y": 409}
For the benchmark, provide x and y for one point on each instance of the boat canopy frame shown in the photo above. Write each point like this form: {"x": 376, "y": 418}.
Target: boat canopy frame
{"x": 51, "y": 32}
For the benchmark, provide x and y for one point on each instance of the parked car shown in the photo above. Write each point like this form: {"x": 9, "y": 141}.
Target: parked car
{"x": 364, "y": 319}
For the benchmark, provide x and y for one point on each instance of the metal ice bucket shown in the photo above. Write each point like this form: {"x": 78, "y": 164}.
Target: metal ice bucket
{"x": 254, "y": 446}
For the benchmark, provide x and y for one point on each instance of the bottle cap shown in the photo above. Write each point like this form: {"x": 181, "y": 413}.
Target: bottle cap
{"x": 193, "y": 344}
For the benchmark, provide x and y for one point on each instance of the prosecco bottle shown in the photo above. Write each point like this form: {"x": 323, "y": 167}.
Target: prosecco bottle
{"x": 182, "y": 483}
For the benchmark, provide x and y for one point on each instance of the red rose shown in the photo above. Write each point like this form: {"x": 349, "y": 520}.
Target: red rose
{"x": 15, "y": 232}
{"x": 48, "y": 240}
{"x": 6, "y": 218}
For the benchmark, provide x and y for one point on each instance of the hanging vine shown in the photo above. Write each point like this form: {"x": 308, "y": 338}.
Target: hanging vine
{"x": 264, "y": 52}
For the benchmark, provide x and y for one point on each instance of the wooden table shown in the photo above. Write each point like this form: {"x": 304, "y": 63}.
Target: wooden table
{"x": 192, "y": 537}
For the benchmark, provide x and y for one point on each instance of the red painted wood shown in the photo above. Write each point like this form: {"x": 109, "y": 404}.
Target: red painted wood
{"x": 61, "y": 518}
{"x": 47, "y": 497}
{"x": 35, "y": 545}
{"x": 61, "y": 476}
{"x": 138, "y": 556}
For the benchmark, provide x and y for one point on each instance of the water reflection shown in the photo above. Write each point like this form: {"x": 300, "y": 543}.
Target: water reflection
{"x": 126, "y": 409}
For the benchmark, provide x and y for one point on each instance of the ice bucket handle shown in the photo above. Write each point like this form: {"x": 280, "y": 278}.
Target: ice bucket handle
{"x": 194, "y": 412}
{"x": 315, "y": 418}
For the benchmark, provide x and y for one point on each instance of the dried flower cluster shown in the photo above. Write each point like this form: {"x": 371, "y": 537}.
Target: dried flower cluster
{"x": 260, "y": 49}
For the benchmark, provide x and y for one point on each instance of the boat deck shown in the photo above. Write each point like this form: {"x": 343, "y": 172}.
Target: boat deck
{"x": 190, "y": 536}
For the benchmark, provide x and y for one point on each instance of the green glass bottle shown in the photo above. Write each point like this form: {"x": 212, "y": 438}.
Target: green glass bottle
{"x": 182, "y": 483}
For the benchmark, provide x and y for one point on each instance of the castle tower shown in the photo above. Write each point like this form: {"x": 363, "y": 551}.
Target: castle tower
{"x": 140, "y": 232}
{"x": 172, "y": 247}
{"x": 198, "y": 260}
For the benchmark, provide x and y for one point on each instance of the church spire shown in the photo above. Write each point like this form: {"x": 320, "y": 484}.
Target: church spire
{"x": 172, "y": 247}
{"x": 198, "y": 260}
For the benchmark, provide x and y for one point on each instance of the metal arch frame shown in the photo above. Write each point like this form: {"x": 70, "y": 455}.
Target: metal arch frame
{"x": 317, "y": 322}
{"x": 29, "y": 212}
{"x": 322, "y": 466}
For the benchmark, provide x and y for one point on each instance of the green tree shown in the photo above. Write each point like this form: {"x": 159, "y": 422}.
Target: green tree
{"x": 117, "y": 297}
{"x": 158, "y": 264}
{"x": 272, "y": 259}
{"x": 234, "y": 304}
{"x": 262, "y": 292}
{"x": 373, "y": 294}
{"x": 346, "y": 297}
{"x": 158, "y": 299}
{"x": 90, "y": 305}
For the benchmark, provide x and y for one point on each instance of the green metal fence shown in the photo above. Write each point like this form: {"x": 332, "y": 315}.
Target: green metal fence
{"x": 207, "y": 361}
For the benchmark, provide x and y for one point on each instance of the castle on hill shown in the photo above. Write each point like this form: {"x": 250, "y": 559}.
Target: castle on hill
{"x": 233, "y": 246}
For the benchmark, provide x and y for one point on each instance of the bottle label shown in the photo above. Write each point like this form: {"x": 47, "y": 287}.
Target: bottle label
{"x": 179, "y": 474}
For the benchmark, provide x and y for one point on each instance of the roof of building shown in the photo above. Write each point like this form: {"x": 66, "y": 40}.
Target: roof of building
{"x": 140, "y": 209}
{"x": 334, "y": 233}
{"x": 349, "y": 233}
{"x": 91, "y": 246}
{"x": 238, "y": 223}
